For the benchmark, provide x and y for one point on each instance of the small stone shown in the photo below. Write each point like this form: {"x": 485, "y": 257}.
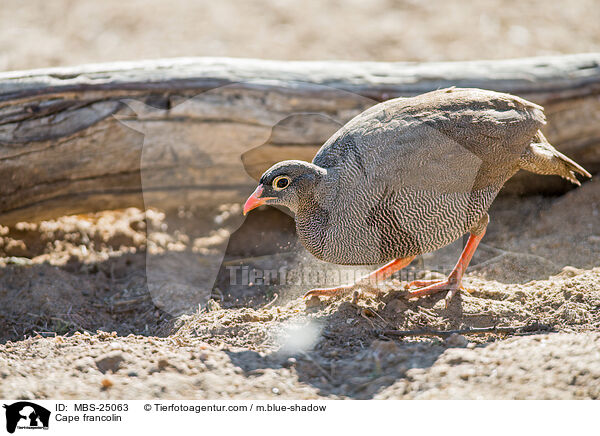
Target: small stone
{"x": 163, "y": 363}
{"x": 570, "y": 271}
{"x": 313, "y": 301}
{"x": 106, "y": 383}
{"x": 289, "y": 363}
{"x": 15, "y": 260}
{"x": 397, "y": 305}
{"x": 457, "y": 341}
{"x": 368, "y": 312}
{"x": 275, "y": 391}
{"x": 110, "y": 361}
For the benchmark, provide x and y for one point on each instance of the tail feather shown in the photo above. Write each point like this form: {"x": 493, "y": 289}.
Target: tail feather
{"x": 542, "y": 158}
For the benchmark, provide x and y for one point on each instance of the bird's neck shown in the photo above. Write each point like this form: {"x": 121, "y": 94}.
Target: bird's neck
{"x": 311, "y": 225}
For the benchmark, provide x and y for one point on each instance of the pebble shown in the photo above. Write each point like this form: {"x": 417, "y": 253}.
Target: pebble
{"x": 289, "y": 363}
{"x": 18, "y": 260}
{"x": 457, "y": 341}
{"x": 571, "y": 271}
{"x": 313, "y": 301}
{"x": 110, "y": 361}
{"x": 397, "y": 305}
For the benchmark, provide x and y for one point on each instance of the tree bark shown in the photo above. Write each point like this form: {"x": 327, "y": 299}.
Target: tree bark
{"x": 182, "y": 132}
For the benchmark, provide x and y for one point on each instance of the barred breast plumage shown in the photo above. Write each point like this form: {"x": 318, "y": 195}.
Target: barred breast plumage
{"x": 411, "y": 175}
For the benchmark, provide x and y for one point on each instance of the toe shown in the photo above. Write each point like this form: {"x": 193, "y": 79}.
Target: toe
{"x": 446, "y": 285}
{"x": 421, "y": 283}
{"x": 313, "y": 293}
{"x": 450, "y": 295}
{"x": 328, "y": 292}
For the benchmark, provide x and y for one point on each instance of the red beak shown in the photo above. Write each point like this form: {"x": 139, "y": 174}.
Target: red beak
{"x": 255, "y": 200}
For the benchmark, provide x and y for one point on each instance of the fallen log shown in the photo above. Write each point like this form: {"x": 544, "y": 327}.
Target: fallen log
{"x": 196, "y": 131}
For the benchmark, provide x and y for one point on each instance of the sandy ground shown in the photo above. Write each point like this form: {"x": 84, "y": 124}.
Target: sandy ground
{"x": 77, "y": 319}
{"x": 76, "y": 290}
{"x": 39, "y": 33}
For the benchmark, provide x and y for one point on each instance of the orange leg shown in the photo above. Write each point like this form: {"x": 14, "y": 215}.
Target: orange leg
{"x": 421, "y": 283}
{"x": 367, "y": 283}
{"x": 453, "y": 283}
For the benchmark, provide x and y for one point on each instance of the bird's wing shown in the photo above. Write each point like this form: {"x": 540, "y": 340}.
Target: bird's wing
{"x": 411, "y": 175}
{"x": 452, "y": 140}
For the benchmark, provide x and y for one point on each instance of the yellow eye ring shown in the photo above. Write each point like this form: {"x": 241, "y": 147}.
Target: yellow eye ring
{"x": 281, "y": 182}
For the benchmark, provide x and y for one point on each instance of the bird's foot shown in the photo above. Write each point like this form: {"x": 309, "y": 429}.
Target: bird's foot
{"x": 421, "y": 283}
{"x": 451, "y": 285}
{"x": 344, "y": 290}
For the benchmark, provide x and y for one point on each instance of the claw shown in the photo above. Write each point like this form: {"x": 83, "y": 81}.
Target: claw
{"x": 421, "y": 283}
{"x": 453, "y": 284}
{"x": 367, "y": 284}
{"x": 450, "y": 295}
{"x": 363, "y": 287}
{"x": 329, "y": 292}
{"x": 449, "y": 285}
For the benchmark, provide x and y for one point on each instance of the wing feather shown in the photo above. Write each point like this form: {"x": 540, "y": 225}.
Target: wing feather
{"x": 444, "y": 139}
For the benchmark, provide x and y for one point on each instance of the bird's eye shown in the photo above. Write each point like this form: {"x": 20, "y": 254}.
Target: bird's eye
{"x": 281, "y": 182}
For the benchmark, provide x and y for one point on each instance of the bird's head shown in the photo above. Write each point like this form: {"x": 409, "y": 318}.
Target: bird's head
{"x": 290, "y": 183}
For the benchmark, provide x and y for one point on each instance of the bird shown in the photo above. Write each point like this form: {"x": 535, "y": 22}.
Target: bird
{"x": 409, "y": 176}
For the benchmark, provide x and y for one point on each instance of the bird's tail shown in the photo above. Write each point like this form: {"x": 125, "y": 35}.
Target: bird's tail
{"x": 542, "y": 158}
